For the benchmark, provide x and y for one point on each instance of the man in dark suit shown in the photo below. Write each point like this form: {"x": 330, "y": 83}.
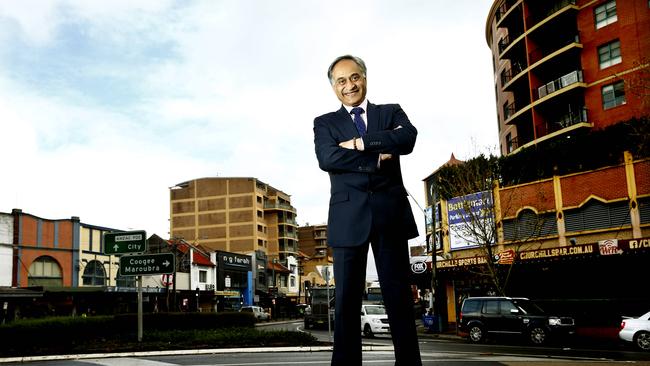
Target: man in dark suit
{"x": 359, "y": 146}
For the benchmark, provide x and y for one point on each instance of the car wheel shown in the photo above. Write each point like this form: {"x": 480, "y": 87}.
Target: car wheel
{"x": 307, "y": 324}
{"x": 538, "y": 335}
{"x": 367, "y": 331}
{"x": 642, "y": 341}
{"x": 476, "y": 334}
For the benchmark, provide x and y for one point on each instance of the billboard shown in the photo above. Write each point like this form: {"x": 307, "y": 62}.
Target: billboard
{"x": 471, "y": 220}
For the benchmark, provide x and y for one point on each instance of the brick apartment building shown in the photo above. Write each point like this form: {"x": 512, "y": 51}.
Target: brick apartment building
{"x": 246, "y": 216}
{"x": 563, "y": 70}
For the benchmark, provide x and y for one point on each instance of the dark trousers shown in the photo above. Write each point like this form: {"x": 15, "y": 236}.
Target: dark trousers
{"x": 392, "y": 262}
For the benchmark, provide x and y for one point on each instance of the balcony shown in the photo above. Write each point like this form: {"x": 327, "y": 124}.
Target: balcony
{"x": 272, "y": 205}
{"x": 504, "y": 10}
{"x": 287, "y": 221}
{"x": 511, "y": 73}
{"x": 557, "y": 7}
{"x": 560, "y": 83}
{"x": 287, "y": 234}
{"x": 573, "y": 117}
{"x": 508, "y": 40}
{"x": 542, "y": 52}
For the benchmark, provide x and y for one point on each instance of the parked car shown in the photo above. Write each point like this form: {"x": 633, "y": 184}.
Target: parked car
{"x": 257, "y": 311}
{"x": 637, "y": 331}
{"x": 374, "y": 320}
{"x": 481, "y": 317}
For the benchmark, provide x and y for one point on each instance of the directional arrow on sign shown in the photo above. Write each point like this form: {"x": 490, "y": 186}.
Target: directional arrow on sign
{"x": 123, "y": 242}
{"x": 166, "y": 263}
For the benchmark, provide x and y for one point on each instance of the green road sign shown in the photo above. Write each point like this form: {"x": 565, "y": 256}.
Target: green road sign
{"x": 147, "y": 264}
{"x": 125, "y": 242}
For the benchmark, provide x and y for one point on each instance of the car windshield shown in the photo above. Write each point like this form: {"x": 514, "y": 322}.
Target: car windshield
{"x": 247, "y": 309}
{"x": 529, "y": 307}
{"x": 375, "y": 310}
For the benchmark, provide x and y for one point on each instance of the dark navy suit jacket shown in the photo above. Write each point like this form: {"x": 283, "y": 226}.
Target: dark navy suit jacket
{"x": 366, "y": 195}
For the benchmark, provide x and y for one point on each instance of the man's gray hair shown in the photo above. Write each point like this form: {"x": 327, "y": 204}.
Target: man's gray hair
{"x": 357, "y": 60}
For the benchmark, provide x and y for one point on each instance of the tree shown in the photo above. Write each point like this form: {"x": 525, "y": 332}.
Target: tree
{"x": 475, "y": 216}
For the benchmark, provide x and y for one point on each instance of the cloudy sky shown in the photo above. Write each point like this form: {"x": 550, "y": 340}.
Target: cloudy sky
{"x": 104, "y": 105}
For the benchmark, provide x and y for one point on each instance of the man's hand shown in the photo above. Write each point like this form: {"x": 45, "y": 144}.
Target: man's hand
{"x": 349, "y": 144}
{"x": 383, "y": 157}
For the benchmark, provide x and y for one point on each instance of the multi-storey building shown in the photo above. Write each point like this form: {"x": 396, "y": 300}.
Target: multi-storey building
{"x": 313, "y": 243}
{"x": 564, "y": 70}
{"x": 564, "y": 66}
{"x": 239, "y": 215}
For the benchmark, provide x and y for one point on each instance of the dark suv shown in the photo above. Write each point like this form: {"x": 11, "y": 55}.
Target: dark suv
{"x": 483, "y": 316}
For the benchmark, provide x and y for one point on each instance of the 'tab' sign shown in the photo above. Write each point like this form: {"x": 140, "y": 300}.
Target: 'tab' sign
{"x": 418, "y": 267}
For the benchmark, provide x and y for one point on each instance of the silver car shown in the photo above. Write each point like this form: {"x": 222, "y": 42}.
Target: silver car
{"x": 257, "y": 311}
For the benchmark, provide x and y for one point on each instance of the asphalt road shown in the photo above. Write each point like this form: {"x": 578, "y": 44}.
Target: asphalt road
{"x": 435, "y": 350}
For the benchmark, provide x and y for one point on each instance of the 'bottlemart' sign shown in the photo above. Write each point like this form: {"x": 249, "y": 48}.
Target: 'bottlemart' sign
{"x": 125, "y": 242}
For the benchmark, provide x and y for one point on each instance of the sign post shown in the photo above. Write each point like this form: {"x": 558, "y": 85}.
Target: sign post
{"x": 146, "y": 264}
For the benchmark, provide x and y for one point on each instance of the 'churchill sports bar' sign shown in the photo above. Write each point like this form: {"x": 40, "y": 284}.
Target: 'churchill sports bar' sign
{"x": 602, "y": 248}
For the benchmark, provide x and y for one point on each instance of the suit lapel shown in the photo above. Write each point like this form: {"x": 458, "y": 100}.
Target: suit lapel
{"x": 347, "y": 125}
{"x": 373, "y": 118}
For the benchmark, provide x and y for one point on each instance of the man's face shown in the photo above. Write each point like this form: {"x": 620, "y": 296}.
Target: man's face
{"x": 349, "y": 83}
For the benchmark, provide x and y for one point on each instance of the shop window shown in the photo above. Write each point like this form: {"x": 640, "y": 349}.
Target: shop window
{"x": 613, "y": 95}
{"x": 124, "y": 281}
{"x": 45, "y": 271}
{"x": 609, "y": 54}
{"x": 94, "y": 274}
{"x": 605, "y": 14}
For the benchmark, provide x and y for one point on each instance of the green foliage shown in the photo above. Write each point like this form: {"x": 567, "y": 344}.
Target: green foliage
{"x": 474, "y": 175}
{"x": 560, "y": 156}
{"x": 81, "y": 334}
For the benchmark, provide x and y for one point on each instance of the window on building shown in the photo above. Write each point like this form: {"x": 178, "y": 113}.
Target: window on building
{"x": 124, "y": 281}
{"x": 203, "y": 276}
{"x": 613, "y": 95}
{"x": 283, "y": 281}
{"x": 596, "y": 215}
{"x": 509, "y": 145}
{"x": 45, "y": 271}
{"x": 529, "y": 225}
{"x": 605, "y": 14}
{"x": 609, "y": 54}
{"x": 292, "y": 281}
{"x": 94, "y": 274}
{"x": 260, "y": 242}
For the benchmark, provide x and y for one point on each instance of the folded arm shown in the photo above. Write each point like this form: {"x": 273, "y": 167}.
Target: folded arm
{"x": 333, "y": 158}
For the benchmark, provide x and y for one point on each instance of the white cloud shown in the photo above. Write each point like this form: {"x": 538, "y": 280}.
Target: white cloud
{"x": 104, "y": 105}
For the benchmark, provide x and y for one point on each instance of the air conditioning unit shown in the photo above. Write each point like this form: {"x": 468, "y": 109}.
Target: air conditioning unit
{"x": 550, "y": 87}
{"x": 568, "y": 79}
{"x": 541, "y": 91}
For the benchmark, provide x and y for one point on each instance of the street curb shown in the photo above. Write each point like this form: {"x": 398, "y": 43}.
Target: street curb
{"x": 183, "y": 352}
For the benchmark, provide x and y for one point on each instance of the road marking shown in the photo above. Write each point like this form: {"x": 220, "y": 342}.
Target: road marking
{"x": 127, "y": 361}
